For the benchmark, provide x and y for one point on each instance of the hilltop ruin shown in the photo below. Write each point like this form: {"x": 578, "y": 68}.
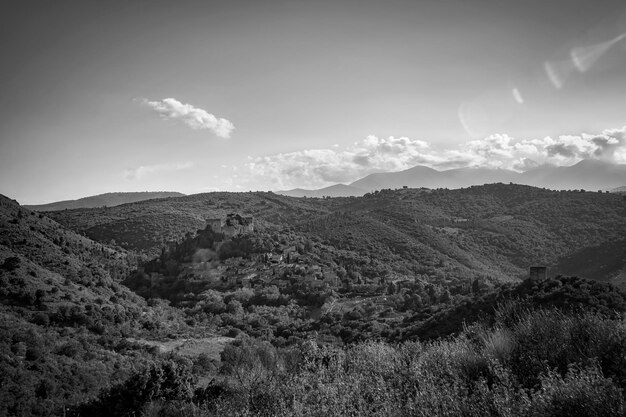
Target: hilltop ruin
{"x": 232, "y": 225}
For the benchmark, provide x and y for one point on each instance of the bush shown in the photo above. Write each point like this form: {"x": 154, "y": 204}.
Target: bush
{"x": 582, "y": 392}
{"x": 11, "y": 263}
{"x": 167, "y": 381}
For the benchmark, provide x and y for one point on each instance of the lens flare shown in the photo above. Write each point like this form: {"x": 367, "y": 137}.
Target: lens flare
{"x": 517, "y": 96}
{"x": 558, "y": 72}
{"x": 586, "y": 56}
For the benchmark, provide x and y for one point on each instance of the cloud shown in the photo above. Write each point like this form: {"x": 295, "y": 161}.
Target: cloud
{"x": 147, "y": 170}
{"x": 502, "y": 151}
{"x": 319, "y": 167}
{"x": 194, "y": 117}
{"x": 314, "y": 168}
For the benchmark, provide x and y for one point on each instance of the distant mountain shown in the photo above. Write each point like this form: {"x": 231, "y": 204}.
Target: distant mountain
{"x": 415, "y": 177}
{"x": 421, "y": 176}
{"x": 338, "y": 190}
{"x": 104, "y": 200}
{"x": 587, "y": 174}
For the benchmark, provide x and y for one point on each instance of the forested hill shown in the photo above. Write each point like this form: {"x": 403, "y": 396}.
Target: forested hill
{"x": 315, "y": 276}
{"x": 498, "y": 227}
{"x": 146, "y": 225}
{"x": 494, "y": 230}
{"x": 64, "y": 316}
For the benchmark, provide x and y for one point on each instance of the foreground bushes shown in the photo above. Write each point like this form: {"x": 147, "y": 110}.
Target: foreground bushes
{"x": 529, "y": 363}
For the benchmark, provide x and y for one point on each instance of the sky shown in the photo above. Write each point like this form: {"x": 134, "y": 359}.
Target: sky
{"x": 198, "y": 96}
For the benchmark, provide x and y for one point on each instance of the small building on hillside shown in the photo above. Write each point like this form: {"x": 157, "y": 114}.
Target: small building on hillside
{"x": 538, "y": 273}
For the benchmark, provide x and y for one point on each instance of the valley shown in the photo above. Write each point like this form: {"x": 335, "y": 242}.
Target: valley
{"x": 182, "y": 287}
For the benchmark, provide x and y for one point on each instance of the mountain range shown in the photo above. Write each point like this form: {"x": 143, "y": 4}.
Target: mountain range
{"x": 587, "y": 174}
{"x": 104, "y": 200}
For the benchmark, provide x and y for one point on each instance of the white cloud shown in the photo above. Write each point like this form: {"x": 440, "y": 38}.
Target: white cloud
{"x": 146, "y": 170}
{"x": 318, "y": 167}
{"x": 314, "y": 168}
{"x": 506, "y": 152}
{"x": 194, "y": 117}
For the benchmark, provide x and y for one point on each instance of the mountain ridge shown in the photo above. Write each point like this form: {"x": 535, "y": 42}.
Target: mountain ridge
{"x": 586, "y": 174}
{"x": 337, "y": 190}
{"x": 103, "y": 200}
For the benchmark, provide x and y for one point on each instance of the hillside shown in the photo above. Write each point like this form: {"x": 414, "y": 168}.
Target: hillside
{"x": 395, "y": 266}
{"x": 64, "y": 316}
{"x": 146, "y": 225}
{"x": 495, "y": 231}
{"x": 103, "y": 200}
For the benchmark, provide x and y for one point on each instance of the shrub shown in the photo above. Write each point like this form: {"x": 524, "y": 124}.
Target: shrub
{"x": 11, "y": 263}
{"x": 167, "y": 381}
{"x": 582, "y": 392}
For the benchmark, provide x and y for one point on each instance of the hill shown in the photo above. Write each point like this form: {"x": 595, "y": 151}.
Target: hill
{"x": 496, "y": 230}
{"x": 567, "y": 293}
{"x": 338, "y": 190}
{"x": 147, "y": 225}
{"x": 493, "y": 231}
{"x": 103, "y": 200}
{"x": 313, "y": 277}
{"x": 64, "y": 316}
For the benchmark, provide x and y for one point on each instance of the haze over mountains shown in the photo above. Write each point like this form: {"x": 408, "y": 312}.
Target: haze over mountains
{"x": 104, "y": 200}
{"x": 587, "y": 174}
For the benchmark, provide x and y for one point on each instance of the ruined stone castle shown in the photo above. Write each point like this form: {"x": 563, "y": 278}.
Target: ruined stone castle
{"x": 232, "y": 225}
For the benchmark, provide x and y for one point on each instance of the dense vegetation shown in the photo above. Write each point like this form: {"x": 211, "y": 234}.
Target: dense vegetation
{"x": 527, "y": 363}
{"x": 405, "y": 302}
{"x": 495, "y": 230}
{"x": 65, "y": 320}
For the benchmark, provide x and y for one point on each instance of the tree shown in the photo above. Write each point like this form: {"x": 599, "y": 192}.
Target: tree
{"x": 235, "y": 308}
{"x": 170, "y": 380}
{"x": 253, "y": 363}
{"x": 11, "y": 263}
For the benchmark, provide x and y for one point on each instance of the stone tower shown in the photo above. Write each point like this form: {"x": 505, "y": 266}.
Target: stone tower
{"x": 538, "y": 273}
